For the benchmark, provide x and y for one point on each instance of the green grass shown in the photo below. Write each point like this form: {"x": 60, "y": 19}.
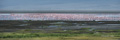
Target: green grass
{"x": 70, "y": 35}
{"x": 64, "y": 38}
{"x": 29, "y": 33}
{"x": 24, "y": 35}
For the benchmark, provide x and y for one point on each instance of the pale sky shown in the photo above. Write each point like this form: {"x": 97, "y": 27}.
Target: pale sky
{"x": 60, "y": 5}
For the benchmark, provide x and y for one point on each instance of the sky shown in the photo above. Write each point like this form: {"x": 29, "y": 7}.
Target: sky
{"x": 59, "y": 5}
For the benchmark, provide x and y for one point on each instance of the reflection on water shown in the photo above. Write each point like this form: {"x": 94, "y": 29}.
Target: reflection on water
{"x": 59, "y": 24}
{"x": 87, "y": 30}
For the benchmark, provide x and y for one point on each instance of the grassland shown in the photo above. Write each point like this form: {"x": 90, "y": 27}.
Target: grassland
{"x": 14, "y": 30}
{"x": 64, "y": 38}
{"x": 62, "y": 35}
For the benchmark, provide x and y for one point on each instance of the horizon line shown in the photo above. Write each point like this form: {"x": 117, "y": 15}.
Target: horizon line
{"x": 60, "y": 11}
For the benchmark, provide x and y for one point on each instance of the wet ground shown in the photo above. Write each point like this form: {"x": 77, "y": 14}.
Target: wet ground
{"x": 14, "y": 25}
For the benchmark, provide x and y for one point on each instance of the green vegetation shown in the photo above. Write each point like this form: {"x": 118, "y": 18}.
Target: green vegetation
{"x": 29, "y": 33}
{"x": 64, "y": 38}
{"x": 82, "y": 34}
{"x": 40, "y": 30}
{"x": 59, "y": 36}
{"x": 24, "y": 35}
